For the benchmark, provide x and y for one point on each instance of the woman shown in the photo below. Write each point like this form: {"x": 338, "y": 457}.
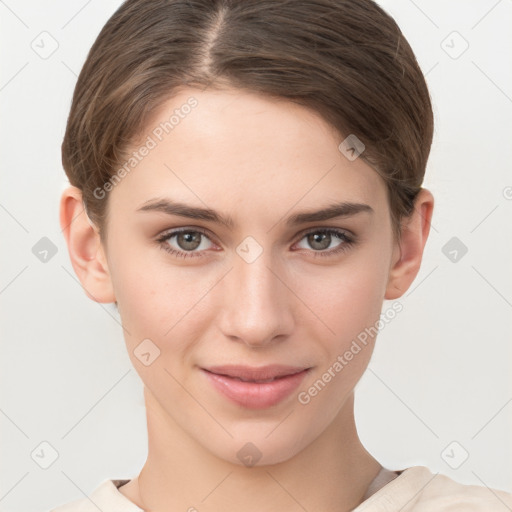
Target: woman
{"x": 275, "y": 151}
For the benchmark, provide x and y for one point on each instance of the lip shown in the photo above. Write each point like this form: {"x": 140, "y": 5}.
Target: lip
{"x": 251, "y": 394}
{"x": 256, "y": 373}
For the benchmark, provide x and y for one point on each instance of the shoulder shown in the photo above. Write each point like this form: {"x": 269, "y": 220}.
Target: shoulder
{"x": 106, "y": 497}
{"x": 417, "y": 489}
{"x": 445, "y": 494}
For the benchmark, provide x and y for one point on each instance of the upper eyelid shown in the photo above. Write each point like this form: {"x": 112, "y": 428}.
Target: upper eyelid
{"x": 325, "y": 228}
{"x": 176, "y": 231}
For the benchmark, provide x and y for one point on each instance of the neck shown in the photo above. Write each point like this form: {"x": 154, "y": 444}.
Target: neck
{"x": 330, "y": 475}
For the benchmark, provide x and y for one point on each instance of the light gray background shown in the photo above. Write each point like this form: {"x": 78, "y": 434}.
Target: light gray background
{"x": 441, "y": 369}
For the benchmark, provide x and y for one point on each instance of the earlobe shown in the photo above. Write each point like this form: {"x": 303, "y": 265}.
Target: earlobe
{"x": 84, "y": 246}
{"x": 408, "y": 254}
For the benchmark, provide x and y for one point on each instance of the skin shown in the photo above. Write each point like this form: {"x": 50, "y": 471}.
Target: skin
{"x": 258, "y": 160}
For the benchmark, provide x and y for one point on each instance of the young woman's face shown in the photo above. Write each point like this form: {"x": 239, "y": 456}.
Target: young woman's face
{"x": 271, "y": 288}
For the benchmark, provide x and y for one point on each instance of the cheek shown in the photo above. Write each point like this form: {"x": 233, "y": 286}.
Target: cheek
{"x": 349, "y": 303}
{"x": 158, "y": 301}
{"x": 348, "y": 297}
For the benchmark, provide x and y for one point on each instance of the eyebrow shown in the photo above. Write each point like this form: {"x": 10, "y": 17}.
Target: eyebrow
{"x": 335, "y": 210}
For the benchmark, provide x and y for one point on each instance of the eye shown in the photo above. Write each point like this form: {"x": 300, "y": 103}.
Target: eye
{"x": 321, "y": 239}
{"x": 187, "y": 240}
{"x": 190, "y": 242}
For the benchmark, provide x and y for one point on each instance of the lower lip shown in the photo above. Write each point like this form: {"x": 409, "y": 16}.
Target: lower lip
{"x": 254, "y": 395}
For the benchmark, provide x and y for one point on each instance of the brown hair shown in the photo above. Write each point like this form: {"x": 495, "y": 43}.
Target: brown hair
{"x": 345, "y": 59}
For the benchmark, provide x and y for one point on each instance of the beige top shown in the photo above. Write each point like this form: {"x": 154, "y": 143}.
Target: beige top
{"x": 414, "y": 489}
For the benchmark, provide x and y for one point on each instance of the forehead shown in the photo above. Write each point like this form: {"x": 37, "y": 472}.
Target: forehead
{"x": 232, "y": 147}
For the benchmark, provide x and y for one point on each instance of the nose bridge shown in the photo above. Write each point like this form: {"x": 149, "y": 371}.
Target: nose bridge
{"x": 255, "y": 308}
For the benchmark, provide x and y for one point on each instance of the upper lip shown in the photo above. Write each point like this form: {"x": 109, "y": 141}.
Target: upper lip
{"x": 256, "y": 373}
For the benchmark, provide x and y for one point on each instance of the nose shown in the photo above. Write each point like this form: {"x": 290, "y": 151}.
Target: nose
{"x": 256, "y": 306}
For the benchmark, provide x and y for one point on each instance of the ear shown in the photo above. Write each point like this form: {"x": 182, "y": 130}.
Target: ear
{"x": 85, "y": 248}
{"x": 408, "y": 252}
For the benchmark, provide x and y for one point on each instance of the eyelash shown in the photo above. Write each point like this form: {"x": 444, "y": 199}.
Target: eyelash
{"x": 348, "y": 242}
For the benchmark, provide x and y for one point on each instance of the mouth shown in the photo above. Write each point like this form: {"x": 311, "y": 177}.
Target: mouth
{"x": 255, "y": 388}
{"x": 260, "y": 381}
{"x": 260, "y": 374}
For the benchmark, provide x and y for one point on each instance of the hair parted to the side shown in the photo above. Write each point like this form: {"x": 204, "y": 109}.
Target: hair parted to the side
{"x": 345, "y": 59}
